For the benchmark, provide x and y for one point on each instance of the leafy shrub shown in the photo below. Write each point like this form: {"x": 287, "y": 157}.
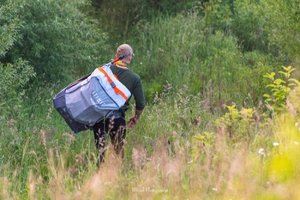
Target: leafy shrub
{"x": 185, "y": 52}
{"x": 54, "y": 37}
{"x": 237, "y": 121}
{"x": 13, "y": 77}
{"x": 248, "y": 25}
{"x": 282, "y": 25}
{"x": 122, "y": 19}
{"x": 280, "y": 88}
{"x": 14, "y": 72}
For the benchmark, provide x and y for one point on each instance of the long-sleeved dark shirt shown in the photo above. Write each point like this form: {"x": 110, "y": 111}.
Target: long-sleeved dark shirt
{"x": 133, "y": 83}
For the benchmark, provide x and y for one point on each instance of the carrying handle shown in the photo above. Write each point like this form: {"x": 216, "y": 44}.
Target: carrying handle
{"x": 117, "y": 59}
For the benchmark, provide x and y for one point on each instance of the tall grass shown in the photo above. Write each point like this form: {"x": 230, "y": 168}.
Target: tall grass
{"x": 170, "y": 155}
{"x": 184, "y": 50}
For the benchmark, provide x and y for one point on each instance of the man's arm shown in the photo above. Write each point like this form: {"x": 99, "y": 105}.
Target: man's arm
{"x": 140, "y": 103}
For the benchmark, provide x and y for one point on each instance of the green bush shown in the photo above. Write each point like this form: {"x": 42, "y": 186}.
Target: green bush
{"x": 52, "y": 40}
{"x": 248, "y": 25}
{"x": 55, "y": 37}
{"x": 13, "y": 77}
{"x": 282, "y": 25}
{"x": 14, "y": 72}
{"x": 268, "y": 26}
{"x": 185, "y": 52}
{"x": 120, "y": 18}
{"x": 280, "y": 86}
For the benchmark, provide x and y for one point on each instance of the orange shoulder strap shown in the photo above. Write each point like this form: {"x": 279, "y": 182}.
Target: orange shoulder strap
{"x": 117, "y": 90}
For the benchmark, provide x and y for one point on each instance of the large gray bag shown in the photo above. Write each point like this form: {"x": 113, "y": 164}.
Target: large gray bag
{"x": 90, "y": 100}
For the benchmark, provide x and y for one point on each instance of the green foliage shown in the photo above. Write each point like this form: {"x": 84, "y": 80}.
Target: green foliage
{"x": 14, "y": 77}
{"x": 248, "y": 25}
{"x": 282, "y": 25}
{"x": 183, "y": 52}
{"x": 268, "y": 26}
{"x": 153, "y": 50}
{"x": 50, "y": 40}
{"x": 170, "y": 116}
{"x": 10, "y": 25}
{"x": 201, "y": 141}
{"x": 209, "y": 52}
{"x": 152, "y": 89}
{"x": 280, "y": 88}
{"x": 118, "y": 17}
{"x": 121, "y": 18}
{"x": 217, "y": 15}
{"x": 14, "y": 73}
{"x": 237, "y": 122}
{"x": 216, "y": 52}
{"x": 231, "y": 117}
{"x": 56, "y": 38}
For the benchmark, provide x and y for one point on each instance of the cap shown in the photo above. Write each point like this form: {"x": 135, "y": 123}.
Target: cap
{"x": 124, "y": 49}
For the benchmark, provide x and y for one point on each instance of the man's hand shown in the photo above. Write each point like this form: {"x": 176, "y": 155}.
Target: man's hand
{"x": 133, "y": 120}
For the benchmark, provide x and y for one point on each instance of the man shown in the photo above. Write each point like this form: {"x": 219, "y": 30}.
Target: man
{"x": 115, "y": 125}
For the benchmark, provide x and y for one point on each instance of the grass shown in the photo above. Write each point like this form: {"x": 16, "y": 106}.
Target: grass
{"x": 186, "y": 145}
{"x": 183, "y": 50}
{"x": 169, "y": 155}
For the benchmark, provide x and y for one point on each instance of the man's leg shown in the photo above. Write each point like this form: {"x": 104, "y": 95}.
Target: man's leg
{"x": 99, "y": 135}
{"x": 117, "y": 135}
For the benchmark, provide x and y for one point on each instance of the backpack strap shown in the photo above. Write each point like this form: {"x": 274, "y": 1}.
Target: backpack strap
{"x": 113, "y": 85}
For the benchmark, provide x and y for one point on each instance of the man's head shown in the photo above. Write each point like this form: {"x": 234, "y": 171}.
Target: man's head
{"x": 125, "y": 50}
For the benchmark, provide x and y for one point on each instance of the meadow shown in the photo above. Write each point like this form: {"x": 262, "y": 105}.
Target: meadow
{"x": 221, "y": 82}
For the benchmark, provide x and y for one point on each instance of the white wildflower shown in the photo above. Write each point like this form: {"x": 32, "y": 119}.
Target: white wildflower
{"x": 275, "y": 144}
{"x": 262, "y": 152}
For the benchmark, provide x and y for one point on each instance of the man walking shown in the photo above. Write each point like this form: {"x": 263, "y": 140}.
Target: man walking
{"x": 115, "y": 124}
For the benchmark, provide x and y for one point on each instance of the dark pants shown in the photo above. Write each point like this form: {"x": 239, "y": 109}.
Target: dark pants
{"x": 116, "y": 128}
